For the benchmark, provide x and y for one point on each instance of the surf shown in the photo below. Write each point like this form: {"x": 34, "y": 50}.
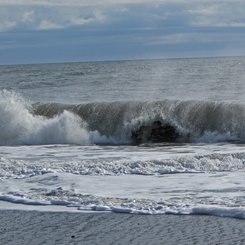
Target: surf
{"x": 158, "y": 121}
{"x": 19, "y": 126}
{"x": 128, "y": 122}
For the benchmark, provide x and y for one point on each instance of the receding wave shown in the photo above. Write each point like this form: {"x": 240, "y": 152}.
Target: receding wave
{"x": 119, "y": 122}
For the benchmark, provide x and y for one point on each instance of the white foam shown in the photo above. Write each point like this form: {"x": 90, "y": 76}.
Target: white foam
{"x": 19, "y": 126}
{"x": 210, "y": 194}
{"x": 27, "y": 161}
{"x": 220, "y": 211}
{"x": 26, "y": 201}
{"x": 99, "y": 208}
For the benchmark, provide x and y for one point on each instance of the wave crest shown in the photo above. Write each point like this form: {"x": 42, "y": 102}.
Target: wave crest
{"x": 119, "y": 122}
{"x": 178, "y": 121}
{"x": 19, "y": 126}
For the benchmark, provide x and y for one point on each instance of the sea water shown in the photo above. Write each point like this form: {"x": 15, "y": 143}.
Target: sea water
{"x": 66, "y": 136}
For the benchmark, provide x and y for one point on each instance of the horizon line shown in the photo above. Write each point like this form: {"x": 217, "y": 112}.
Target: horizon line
{"x": 121, "y": 60}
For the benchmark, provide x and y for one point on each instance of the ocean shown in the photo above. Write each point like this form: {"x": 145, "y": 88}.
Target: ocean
{"x": 145, "y": 137}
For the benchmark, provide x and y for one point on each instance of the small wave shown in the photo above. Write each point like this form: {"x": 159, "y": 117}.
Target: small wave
{"x": 18, "y": 169}
{"x": 121, "y": 205}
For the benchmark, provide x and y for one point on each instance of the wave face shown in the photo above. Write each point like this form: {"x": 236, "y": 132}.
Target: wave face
{"x": 119, "y": 122}
{"x": 181, "y": 121}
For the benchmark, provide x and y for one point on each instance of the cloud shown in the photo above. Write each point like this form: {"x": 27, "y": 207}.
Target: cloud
{"x": 7, "y": 25}
{"x": 57, "y": 14}
{"x": 72, "y": 2}
{"x": 205, "y": 10}
{"x": 217, "y": 14}
{"x": 80, "y": 21}
{"x": 97, "y": 16}
{"x": 174, "y": 38}
{"x": 48, "y": 25}
{"x": 48, "y": 18}
{"x": 215, "y": 22}
{"x": 186, "y": 37}
{"x": 102, "y": 2}
{"x": 126, "y": 25}
{"x": 28, "y": 16}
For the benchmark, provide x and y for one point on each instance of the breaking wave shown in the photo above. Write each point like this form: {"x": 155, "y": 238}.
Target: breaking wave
{"x": 159, "y": 121}
{"x": 119, "y": 122}
{"x": 19, "y": 126}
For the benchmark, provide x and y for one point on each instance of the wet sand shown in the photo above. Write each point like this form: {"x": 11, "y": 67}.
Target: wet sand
{"x": 41, "y": 227}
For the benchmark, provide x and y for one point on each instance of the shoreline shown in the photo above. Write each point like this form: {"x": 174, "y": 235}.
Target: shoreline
{"x": 52, "y": 227}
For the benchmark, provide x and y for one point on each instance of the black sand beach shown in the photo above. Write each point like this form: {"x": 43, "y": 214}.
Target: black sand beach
{"x": 35, "y": 227}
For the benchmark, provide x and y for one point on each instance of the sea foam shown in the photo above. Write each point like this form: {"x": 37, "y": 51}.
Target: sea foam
{"x": 19, "y": 126}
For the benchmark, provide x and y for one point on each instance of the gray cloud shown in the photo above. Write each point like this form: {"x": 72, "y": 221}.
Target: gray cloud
{"x": 89, "y": 2}
{"x": 47, "y": 17}
{"x": 7, "y": 25}
{"x": 158, "y": 13}
{"x": 109, "y": 29}
{"x": 223, "y": 14}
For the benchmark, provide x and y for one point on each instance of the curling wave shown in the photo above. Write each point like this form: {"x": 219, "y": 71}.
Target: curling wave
{"x": 159, "y": 121}
{"x": 119, "y": 122}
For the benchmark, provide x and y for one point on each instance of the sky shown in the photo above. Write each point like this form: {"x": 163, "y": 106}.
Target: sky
{"x": 47, "y": 31}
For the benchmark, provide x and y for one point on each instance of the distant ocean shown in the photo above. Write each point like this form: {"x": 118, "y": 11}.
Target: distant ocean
{"x": 145, "y": 137}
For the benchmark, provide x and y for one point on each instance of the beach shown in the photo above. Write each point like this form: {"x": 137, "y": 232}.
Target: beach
{"x": 122, "y": 122}
{"x": 123, "y": 152}
{"x": 40, "y": 227}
